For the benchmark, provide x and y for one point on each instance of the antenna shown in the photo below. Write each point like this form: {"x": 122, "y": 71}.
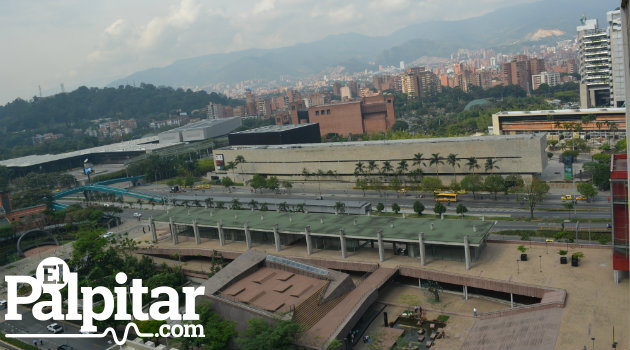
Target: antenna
{"x": 63, "y": 89}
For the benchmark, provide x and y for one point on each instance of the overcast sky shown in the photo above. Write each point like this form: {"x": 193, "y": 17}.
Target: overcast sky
{"x": 46, "y": 43}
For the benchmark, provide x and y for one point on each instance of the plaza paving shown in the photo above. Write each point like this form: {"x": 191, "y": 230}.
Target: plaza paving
{"x": 594, "y": 303}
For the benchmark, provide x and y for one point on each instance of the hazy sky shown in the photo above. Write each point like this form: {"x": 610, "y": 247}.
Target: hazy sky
{"x": 46, "y": 43}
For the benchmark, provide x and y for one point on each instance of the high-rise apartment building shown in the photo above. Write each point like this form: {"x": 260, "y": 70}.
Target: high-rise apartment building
{"x": 549, "y": 78}
{"x": 520, "y": 70}
{"x": 420, "y": 82}
{"x": 615, "y": 34}
{"x": 594, "y": 55}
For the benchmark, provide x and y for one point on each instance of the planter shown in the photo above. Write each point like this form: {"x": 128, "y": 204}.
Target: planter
{"x": 574, "y": 262}
{"x": 523, "y": 257}
{"x": 563, "y": 259}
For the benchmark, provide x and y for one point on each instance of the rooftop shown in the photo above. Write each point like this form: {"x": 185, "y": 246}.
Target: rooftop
{"x": 391, "y": 142}
{"x": 204, "y": 123}
{"x": 436, "y": 231}
{"x": 143, "y": 144}
{"x": 274, "y": 128}
{"x": 567, "y": 111}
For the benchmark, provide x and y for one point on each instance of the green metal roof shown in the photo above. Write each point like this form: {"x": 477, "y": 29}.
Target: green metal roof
{"x": 447, "y": 231}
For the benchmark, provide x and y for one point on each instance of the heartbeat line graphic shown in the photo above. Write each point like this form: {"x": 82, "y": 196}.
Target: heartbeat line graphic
{"x": 102, "y": 335}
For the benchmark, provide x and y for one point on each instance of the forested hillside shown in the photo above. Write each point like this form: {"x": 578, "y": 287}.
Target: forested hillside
{"x": 71, "y": 113}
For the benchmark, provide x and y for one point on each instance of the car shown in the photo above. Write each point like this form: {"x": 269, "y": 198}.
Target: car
{"x": 108, "y": 234}
{"x": 461, "y": 192}
{"x": 65, "y": 347}
{"x": 580, "y": 198}
{"x": 137, "y": 215}
{"x": 548, "y": 240}
{"x": 55, "y": 328}
{"x": 3, "y": 304}
{"x": 567, "y": 197}
{"x": 402, "y": 191}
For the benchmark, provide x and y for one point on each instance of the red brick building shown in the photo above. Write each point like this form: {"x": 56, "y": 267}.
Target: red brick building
{"x": 366, "y": 115}
{"x": 619, "y": 193}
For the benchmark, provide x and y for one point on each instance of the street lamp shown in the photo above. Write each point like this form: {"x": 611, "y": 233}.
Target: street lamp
{"x": 593, "y": 339}
{"x": 517, "y": 269}
{"x": 540, "y": 262}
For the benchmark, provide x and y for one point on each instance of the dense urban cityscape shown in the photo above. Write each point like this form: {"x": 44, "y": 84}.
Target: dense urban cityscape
{"x": 423, "y": 191}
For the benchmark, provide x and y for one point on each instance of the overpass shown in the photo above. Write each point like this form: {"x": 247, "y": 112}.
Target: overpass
{"x": 102, "y": 187}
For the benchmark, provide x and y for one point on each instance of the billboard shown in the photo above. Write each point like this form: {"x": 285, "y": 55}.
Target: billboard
{"x": 218, "y": 161}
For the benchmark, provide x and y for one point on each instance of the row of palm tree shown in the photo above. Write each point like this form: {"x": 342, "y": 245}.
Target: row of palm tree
{"x": 402, "y": 167}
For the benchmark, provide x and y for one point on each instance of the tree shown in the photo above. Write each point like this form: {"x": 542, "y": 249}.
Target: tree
{"x": 461, "y": 210}
{"x": 359, "y": 169}
{"x": 569, "y": 206}
{"x": 227, "y": 183}
{"x": 534, "y": 192}
{"x": 436, "y": 160}
{"x": 380, "y": 207}
{"x": 386, "y": 168}
{"x": 439, "y": 208}
{"x": 253, "y": 204}
{"x": 273, "y": 183}
{"x": 587, "y": 190}
{"x": 417, "y": 160}
{"x": 472, "y": 163}
{"x": 472, "y": 183}
{"x": 287, "y": 185}
{"x": 491, "y": 164}
{"x": 340, "y": 207}
{"x": 402, "y": 167}
{"x": 258, "y": 182}
{"x": 513, "y": 181}
{"x": 305, "y": 173}
{"x": 396, "y": 183}
{"x": 494, "y": 184}
{"x": 418, "y": 207}
{"x": 236, "y": 204}
{"x": 208, "y": 201}
{"x": 400, "y": 125}
{"x": 362, "y": 184}
{"x": 452, "y": 160}
{"x": 260, "y": 335}
{"x": 431, "y": 183}
{"x": 395, "y": 208}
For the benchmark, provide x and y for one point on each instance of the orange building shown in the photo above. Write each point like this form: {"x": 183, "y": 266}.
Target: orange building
{"x": 366, "y": 115}
{"x": 592, "y": 122}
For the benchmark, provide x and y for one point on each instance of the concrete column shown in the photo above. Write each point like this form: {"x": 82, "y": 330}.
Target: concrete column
{"x": 411, "y": 250}
{"x": 309, "y": 247}
{"x": 221, "y": 233}
{"x": 616, "y": 276}
{"x": 248, "y": 237}
{"x": 196, "y": 231}
{"x": 173, "y": 230}
{"x": 422, "y": 252}
{"x": 465, "y": 292}
{"x": 511, "y": 300}
{"x": 276, "y": 237}
{"x": 342, "y": 240}
{"x": 381, "y": 248}
{"x": 467, "y": 252}
{"x": 152, "y": 228}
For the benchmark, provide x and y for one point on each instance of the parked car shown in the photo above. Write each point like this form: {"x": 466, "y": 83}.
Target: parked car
{"x": 567, "y": 197}
{"x": 55, "y": 328}
{"x": 108, "y": 234}
{"x": 137, "y": 215}
{"x": 65, "y": 347}
{"x": 580, "y": 198}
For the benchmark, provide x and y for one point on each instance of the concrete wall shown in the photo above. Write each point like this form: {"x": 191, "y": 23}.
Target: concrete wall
{"x": 520, "y": 154}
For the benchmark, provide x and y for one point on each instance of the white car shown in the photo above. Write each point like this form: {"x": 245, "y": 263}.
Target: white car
{"x": 137, "y": 215}
{"x": 55, "y": 328}
{"x": 108, "y": 234}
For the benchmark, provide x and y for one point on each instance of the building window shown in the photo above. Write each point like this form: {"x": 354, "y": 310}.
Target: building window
{"x": 322, "y": 112}
{"x": 293, "y": 108}
{"x": 278, "y": 120}
{"x": 316, "y": 112}
{"x": 328, "y": 111}
{"x": 389, "y": 101}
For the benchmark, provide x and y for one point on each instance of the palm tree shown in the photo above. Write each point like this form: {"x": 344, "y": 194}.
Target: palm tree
{"x": 196, "y": 203}
{"x": 402, "y": 167}
{"x": 452, "y": 160}
{"x": 491, "y": 164}
{"x": 371, "y": 167}
{"x": 472, "y": 163}
{"x": 253, "y": 204}
{"x": 208, "y": 202}
{"x": 436, "y": 160}
{"x": 240, "y": 160}
{"x": 305, "y": 173}
{"x": 359, "y": 168}
{"x": 386, "y": 168}
{"x": 320, "y": 173}
{"x": 417, "y": 160}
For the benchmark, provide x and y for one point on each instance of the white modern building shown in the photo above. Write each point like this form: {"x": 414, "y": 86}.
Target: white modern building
{"x": 549, "y": 78}
{"x": 595, "y": 69}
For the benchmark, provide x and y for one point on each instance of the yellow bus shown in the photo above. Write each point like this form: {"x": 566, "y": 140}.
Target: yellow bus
{"x": 446, "y": 197}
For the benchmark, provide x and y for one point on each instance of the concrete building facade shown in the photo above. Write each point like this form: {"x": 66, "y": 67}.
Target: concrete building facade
{"x": 516, "y": 154}
{"x": 617, "y": 64}
{"x": 594, "y": 59}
